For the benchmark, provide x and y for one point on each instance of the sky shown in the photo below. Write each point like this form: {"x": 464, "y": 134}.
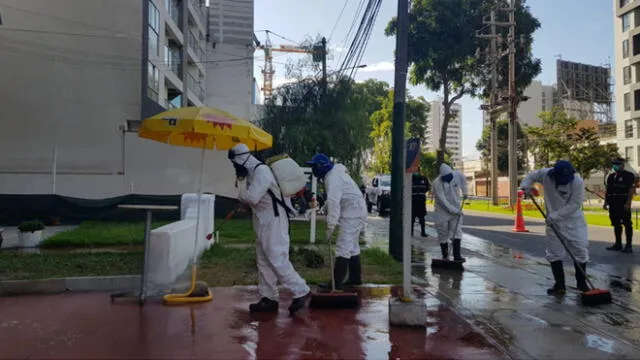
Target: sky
{"x": 576, "y": 30}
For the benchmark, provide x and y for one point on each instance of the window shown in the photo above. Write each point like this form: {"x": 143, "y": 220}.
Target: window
{"x": 636, "y": 100}
{"x": 628, "y": 153}
{"x": 627, "y": 102}
{"x": 153, "y": 82}
{"x": 624, "y": 3}
{"x": 638, "y": 151}
{"x": 625, "y": 48}
{"x": 154, "y": 30}
{"x": 626, "y": 22}
{"x": 628, "y": 129}
{"x": 626, "y": 75}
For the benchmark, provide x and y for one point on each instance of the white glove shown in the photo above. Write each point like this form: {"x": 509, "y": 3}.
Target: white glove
{"x": 329, "y": 233}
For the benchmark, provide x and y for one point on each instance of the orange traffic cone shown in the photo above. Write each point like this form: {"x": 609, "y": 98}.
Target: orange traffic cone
{"x": 519, "y": 223}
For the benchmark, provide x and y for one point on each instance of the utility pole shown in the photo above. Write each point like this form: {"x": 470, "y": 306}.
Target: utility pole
{"x": 396, "y": 229}
{"x": 513, "y": 108}
{"x": 495, "y": 104}
{"x": 324, "y": 64}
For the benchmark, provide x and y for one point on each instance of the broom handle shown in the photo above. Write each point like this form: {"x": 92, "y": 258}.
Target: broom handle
{"x": 562, "y": 241}
{"x": 455, "y": 229}
{"x": 333, "y": 277}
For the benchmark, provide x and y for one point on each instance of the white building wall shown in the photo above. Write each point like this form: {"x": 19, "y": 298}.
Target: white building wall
{"x": 76, "y": 93}
{"x": 628, "y": 133}
{"x": 540, "y": 99}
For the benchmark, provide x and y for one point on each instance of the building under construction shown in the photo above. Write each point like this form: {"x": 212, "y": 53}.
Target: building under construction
{"x": 584, "y": 91}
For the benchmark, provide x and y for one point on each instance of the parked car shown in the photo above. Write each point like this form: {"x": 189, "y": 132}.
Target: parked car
{"x": 379, "y": 193}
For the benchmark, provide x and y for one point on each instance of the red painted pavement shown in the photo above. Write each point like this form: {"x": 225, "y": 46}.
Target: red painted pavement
{"x": 83, "y": 326}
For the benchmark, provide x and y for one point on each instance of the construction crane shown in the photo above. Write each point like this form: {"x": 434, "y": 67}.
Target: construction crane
{"x": 268, "y": 70}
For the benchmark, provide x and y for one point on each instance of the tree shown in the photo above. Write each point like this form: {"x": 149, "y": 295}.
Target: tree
{"x": 443, "y": 44}
{"x": 417, "y": 110}
{"x": 484, "y": 146}
{"x": 559, "y": 137}
{"x": 429, "y": 164}
{"x": 304, "y": 120}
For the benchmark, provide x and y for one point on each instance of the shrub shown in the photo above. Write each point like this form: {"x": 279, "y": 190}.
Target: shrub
{"x": 31, "y": 226}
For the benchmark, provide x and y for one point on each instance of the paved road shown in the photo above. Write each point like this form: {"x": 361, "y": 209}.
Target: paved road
{"x": 498, "y": 228}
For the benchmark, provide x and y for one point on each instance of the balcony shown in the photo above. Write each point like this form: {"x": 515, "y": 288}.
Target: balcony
{"x": 194, "y": 44}
{"x": 195, "y": 86}
{"x": 173, "y": 8}
{"x": 199, "y": 10}
{"x": 172, "y": 60}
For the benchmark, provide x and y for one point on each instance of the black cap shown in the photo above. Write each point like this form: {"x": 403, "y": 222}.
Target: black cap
{"x": 618, "y": 161}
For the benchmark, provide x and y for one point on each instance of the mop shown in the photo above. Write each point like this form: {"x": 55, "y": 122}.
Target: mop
{"x": 590, "y": 297}
{"x": 446, "y": 263}
{"x": 335, "y": 299}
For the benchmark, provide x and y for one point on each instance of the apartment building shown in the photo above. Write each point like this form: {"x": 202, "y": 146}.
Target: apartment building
{"x": 454, "y": 130}
{"x": 78, "y": 76}
{"x": 540, "y": 98}
{"x": 627, "y": 72}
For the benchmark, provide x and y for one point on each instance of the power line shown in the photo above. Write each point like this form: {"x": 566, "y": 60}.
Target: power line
{"x": 50, "y": 32}
{"x": 338, "y": 20}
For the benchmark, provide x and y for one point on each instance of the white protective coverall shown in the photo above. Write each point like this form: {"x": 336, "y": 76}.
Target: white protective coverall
{"x": 345, "y": 207}
{"x": 447, "y": 204}
{"x": 563, "y": 207}
{"x": 272, "y": 233}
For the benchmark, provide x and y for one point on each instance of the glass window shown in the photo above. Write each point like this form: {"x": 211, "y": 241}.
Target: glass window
{"x": 638, "y": 151}
{"x": 624, "y": 3}
{"x": 154, "y": 30}
{"x": 625, "y": 48}
{"x": 627, "y": 102}
{"x": 628, "y": 153}
{"x": 626, "y": 75}
{"x": 628, "y": 129}
{"x": 626, "y": 22}
{"x": 153, "y": 81}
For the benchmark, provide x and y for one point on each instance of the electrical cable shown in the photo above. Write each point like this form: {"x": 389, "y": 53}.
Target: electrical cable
{"x": 338, "y": 20}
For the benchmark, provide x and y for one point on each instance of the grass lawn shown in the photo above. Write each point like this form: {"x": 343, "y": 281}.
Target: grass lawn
{"x": 220, "y": 266}
{"x": 98, "y": 234}
{"x": 593, "y": 218}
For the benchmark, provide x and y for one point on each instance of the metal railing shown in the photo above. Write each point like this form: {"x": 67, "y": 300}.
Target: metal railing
{"x": 194, "y": 43}
{"x": 195, "y": 86}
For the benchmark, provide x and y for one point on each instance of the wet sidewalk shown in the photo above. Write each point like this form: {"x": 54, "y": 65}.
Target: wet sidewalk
{"x": 82, "y": 326}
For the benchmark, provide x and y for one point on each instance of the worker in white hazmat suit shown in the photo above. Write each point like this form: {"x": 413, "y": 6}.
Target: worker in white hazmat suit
{"x": 271, "y": 224}
{"x": 449, "y": 191}
{"x": 563, "y": 197}
{"x": 345, "y": 207}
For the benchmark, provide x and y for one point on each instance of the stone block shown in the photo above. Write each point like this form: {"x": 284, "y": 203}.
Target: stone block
{"x": 412, "y": 313}
{"x": 27, "y": 287}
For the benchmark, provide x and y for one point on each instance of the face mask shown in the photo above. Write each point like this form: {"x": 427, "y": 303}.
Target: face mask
{"x": 447, "y": 178}
{"x": 617, "y": 168}
{"x": 241, "y": 171}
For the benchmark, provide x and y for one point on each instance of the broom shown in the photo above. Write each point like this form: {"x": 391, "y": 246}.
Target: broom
{"x": 335, "y": 299}
{"x": 590, "y": 297}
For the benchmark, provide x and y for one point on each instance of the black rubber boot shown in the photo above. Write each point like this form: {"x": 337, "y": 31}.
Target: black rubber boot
{"x": 617, "y": 230}
{"x": 581, "y": 282}
{"x": 445, "y": 251}
{"x": 423, "y": 233}
{"x": 355, "y": 272}
{"x": 264, "y": 305}
{"x": 559, "y": 287}
{"x": 340, "y": 269}
{"x": 628, "y": 229}
{"x": 456, "y": 251}
{"x": 298, "y": 303}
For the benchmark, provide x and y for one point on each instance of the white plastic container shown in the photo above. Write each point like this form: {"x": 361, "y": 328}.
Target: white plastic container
{"x": 288, "y": 174}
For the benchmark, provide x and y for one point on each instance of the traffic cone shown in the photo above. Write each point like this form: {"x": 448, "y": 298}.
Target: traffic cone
{"x": 519, "y": 223}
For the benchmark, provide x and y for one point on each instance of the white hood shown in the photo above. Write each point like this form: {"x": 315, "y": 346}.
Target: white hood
{"x": 245, "y": 159}
{"x": 445, "y": 170}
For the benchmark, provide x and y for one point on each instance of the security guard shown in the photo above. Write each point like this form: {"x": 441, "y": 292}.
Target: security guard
{"x": 621, "y": 186}
{"x": 419, "y": 189}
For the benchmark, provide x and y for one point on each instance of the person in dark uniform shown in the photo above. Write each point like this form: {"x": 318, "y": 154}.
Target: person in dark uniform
{"x": 419, "y": 188}
{"x": 621, "y": 186}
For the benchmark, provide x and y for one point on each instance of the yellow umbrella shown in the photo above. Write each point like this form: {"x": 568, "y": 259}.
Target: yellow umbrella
{"x": 205, "y": 128}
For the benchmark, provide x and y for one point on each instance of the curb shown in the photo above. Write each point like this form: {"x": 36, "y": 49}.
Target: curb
{"x": 72, "y": 284}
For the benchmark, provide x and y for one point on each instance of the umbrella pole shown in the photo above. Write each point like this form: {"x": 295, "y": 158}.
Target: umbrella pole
{"x": 195, "y": 248}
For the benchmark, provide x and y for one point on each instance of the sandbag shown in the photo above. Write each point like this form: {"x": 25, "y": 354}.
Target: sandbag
{"x": 289, "y": 175}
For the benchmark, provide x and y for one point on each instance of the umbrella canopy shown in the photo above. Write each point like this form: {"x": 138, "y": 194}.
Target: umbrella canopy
{"x": 203, "y": 127}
